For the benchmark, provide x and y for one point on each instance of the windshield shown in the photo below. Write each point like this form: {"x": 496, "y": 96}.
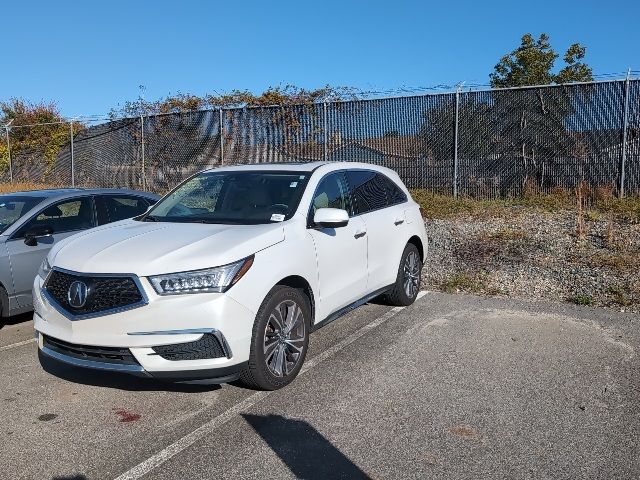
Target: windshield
{"x": 233, "y": 197}
{"x": 12, "y": 207}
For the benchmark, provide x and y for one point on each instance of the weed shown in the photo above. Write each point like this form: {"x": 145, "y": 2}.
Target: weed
{"x": 593, "y": 215}
{"x": 621, "y": 261}
{"x": 507, "y": 234}
{"x": 582, "y": 299}
{"x": 461, "y": 282}
{"x": 621, "y": 296}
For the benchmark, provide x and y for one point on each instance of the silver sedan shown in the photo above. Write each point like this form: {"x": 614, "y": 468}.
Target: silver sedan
{"x": 32, "y": 222}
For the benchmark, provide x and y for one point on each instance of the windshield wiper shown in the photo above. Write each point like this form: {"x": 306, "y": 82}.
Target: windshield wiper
{"x": 149, "y": 218}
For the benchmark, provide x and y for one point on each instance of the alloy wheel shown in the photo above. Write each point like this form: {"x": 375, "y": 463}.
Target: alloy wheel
{"x": 411, "y": 271}
{"x": 284, "y": 338}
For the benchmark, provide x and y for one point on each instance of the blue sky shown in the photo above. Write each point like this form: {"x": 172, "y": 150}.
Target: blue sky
{"x": 91, "y": 56}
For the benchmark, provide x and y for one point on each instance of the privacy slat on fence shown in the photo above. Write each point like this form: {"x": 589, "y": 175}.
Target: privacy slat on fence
{"x": 502, "y": 142}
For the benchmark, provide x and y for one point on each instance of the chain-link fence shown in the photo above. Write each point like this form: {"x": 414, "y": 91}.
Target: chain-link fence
{"x": 482, "y": 144}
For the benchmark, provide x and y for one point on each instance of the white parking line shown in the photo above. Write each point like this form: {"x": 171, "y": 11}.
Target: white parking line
{"x": 185, "y": 442}
{"x": 19, "y": 344}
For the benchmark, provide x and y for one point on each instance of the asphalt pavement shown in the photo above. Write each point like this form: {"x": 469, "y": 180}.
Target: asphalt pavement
{"x": 454, "y": 386}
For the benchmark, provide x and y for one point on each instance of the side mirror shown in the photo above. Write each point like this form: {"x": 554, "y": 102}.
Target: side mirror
{"x": 331, "y": 218}
{"x": 31, "y": 236}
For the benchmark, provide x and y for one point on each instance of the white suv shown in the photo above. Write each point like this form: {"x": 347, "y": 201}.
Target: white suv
{"x": 226, "y": 276}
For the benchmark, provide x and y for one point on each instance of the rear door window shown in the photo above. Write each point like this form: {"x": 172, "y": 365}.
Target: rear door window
{"x": 120, "y": 207}
{"x": 368, "y": 190}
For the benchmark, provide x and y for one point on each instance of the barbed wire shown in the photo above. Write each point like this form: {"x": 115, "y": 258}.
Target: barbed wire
{"x": 360, "y": 94}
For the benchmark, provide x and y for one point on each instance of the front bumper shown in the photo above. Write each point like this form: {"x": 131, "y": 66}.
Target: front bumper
{"x": 164, "y": 320}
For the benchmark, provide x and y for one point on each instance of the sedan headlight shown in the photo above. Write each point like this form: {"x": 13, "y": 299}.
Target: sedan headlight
{"x": 44, "y": 269}
{"x": 217, "y": 279}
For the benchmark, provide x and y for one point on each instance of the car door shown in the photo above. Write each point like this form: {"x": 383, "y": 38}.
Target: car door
{"x": 379, "y": 205}
{"x": 341, "y": 253}
{"x": 115, "y": 207}
{"x": 65, "y": 218}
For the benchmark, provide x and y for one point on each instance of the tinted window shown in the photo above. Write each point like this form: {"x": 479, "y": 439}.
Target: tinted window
{"x": 394, "y": 194}
{"x": 369, "y": 190}
{"x": 121, "y": 207}
{"x": 332, "y": 192}
{"x": 14, "y": 207}
{"x": 66, "y": 216}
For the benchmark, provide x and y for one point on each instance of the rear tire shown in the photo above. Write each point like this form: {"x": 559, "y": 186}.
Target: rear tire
{"x": 405, "y": 290}
{"x": 279, "y": 340}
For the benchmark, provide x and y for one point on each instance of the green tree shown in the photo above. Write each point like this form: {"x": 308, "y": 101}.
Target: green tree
{"x": 533, "y": 62}
{"x": 532, "y": 138}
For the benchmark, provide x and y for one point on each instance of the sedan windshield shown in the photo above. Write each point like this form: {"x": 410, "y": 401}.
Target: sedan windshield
{"x": 232, "y": 197}
{"x": 12, "y": 207}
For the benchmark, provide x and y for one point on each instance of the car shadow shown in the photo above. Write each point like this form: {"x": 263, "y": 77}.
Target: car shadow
{"x": 117, "y": 380}
{"x": 15, "y": 319}
{"x": 304, "y": 450}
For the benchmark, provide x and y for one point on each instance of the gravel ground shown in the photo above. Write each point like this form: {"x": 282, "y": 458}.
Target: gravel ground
{"x": 537, "y": 255}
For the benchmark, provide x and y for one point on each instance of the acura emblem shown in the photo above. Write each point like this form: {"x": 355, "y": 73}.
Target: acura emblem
{"x": 77, "y": 294}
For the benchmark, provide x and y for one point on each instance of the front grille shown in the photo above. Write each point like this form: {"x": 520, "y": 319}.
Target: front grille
{"x": 120, "y": 356}
{"x": 104, "y": 293}
{"x": 207, "y": 347}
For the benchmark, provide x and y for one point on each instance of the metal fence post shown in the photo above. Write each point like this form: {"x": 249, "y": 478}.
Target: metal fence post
{"x": 73, "y": 168}
{"x": 6, "y": 129}
{"x": 144, "y": 170}
{"x": 325, "y": 154}
{"x": 623, "y": 155}
{"x": 455, "y": 146}
{"x": 221, "y": 127}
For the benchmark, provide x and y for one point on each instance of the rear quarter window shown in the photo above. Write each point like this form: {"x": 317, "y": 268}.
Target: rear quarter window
{"x": 368, "y": 189}
{"x": 395, "y": 195}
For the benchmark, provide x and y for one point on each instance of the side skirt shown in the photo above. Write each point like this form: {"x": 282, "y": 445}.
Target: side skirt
{"x": 352, "y": 306}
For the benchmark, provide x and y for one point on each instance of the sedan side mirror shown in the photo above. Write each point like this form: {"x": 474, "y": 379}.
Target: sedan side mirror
{"x": 31, "y": 236}
{"x": 331, "y": 218}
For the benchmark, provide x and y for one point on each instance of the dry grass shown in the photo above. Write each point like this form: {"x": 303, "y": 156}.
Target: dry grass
{"x": 625, "y": 261}
{"x": 24, "y": 186}
{"x": 594, "y": 205}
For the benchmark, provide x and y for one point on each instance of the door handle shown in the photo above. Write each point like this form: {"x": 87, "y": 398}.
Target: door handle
{"x": 360, "y": 233}
{"x": 398, "y": 221}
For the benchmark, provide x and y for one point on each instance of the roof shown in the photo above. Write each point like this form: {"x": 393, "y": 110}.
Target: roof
{"x": 288, "y": 166}
{"x": 58, "y": 192}
{"x": 47, "y": 192}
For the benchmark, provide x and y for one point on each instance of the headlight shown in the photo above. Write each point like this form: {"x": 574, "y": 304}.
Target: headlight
{"x": 216, "y": 279}
{"x": 44, "y": 269}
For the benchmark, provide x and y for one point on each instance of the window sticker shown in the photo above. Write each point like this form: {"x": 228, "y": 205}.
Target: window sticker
{"x": 293, "y": 184}
{"x": 277, "y": 217}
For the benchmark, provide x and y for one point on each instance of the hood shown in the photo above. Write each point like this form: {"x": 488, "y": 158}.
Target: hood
{"x": 146, "y": 248}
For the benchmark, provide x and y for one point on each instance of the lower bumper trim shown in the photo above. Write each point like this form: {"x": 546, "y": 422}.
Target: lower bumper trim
{"x": 213, "y": 375}
{"x": 80, "y": 362}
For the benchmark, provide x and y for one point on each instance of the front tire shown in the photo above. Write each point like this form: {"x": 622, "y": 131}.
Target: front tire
{"x": 279, "y": 340}
{"x": 405, "y": 290}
